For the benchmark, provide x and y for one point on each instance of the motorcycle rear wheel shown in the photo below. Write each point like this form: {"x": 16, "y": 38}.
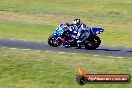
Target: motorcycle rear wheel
{"x": 92, "y": 42}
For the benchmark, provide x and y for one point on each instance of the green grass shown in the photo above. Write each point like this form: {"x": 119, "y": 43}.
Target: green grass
{"x": 114, "y": 16}
{"x": 33, "y": 69}
{"x": 35, "y": 32}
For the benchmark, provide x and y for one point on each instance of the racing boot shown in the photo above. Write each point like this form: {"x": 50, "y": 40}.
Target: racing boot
{"x": 79, "y": 45}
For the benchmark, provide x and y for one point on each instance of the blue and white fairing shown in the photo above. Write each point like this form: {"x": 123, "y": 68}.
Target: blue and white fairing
{"x": 59, "y": 31}
{"x": 96, "y": 31}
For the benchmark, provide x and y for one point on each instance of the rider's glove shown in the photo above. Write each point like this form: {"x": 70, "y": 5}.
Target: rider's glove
{"x": 67, "y": 24}
{"x": 75, "y": 32}
{"x": 78, "y": 34}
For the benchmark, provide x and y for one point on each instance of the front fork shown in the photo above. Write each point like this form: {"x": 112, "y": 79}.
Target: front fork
{"x": 57, "y": 39}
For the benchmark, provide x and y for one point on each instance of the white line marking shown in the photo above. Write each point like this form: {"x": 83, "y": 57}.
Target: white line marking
{"x": 49, "y": 51}
{"x": 73, "y": 53}
{"x": 26, "y": 49}
{"x": 115, "y": 57}
{"x": 119, "y": 57}
{"x": 96, "y": 55}
{"x": 38, "y": 50}
{"x": 13, "y": 48}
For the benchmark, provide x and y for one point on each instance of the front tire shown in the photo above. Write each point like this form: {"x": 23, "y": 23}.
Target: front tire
{"x": 51, "y": 42}
{"x": 92, "y": 42}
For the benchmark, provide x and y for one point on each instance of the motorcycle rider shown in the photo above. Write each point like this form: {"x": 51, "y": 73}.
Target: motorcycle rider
{"x": 79, "y": 31}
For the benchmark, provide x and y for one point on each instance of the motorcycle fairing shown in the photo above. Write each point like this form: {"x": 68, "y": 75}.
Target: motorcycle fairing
{"x": 59, "y": 31}
{"x": 97, "y": 31}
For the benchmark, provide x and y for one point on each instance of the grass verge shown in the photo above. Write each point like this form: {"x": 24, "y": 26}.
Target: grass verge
{"x": 41, "y": 69}
{"x": 14, "y": 30}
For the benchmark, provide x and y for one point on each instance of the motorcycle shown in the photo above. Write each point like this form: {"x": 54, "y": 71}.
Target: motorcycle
{"x": 63, "y": 33}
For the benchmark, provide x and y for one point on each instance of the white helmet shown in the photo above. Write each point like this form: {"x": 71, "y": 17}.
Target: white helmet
{"x": 77, "y": 22}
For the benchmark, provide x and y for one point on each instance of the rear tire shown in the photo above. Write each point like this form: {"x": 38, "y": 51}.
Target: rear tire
{"x": 51, "y": 41}
{"x": 92, "y": 42}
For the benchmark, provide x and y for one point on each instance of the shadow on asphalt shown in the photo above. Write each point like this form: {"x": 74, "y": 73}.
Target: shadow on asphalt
{"x": 100, "y": 49}
{"x": 108, "y": 50}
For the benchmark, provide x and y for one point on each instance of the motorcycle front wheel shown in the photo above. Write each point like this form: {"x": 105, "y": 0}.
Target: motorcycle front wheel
{"x": 52, "y": 41}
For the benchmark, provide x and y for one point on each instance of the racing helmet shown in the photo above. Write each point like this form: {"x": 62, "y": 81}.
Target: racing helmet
{"x": 77, "y": 22}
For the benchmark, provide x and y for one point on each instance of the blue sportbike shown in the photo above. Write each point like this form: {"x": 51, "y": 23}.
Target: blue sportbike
{"x": 65, "y": 32}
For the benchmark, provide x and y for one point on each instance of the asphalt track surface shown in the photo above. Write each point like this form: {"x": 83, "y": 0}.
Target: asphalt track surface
{"x": 102, "y": 50}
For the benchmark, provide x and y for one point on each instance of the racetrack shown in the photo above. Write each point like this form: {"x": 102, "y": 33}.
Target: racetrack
{"x": 102, "y": 50}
